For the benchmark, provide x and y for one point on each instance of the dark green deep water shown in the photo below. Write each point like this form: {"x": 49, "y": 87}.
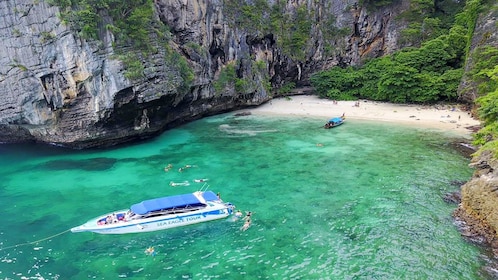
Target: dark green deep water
{"x": 365, "y": 205}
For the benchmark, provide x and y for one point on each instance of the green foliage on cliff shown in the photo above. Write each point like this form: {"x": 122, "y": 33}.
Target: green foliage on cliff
{"x": 488, "y": 111}
{"x": 133, "y": 26}
{"x": 376, "y": 3}
{"x": 420, "y": 75}
{"x": 485, "y": 59}
{"x": 428, "y": 20}
{"x": 468, "y": 18}
{"x": 226, "y": 79}
{"x": 294, "y": 43}
{"x": 134, "y": 68}
{"x": 427, "y": 74}
{"x": 129, "y": 20}
{"x": 286, "y": 88}
{"x": 484, "y": 74}
{"x": 229, "y": 79}
{"x": 292, "y": 30}
{"x": 180, "y": 64}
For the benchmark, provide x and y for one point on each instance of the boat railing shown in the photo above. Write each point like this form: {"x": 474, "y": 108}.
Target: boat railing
{"x": 173, "y": 211}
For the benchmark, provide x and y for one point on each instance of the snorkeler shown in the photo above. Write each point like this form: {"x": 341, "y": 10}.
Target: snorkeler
{"x": 168, "y": 167}
{"x": 246, "y": 225}
{"x": 150, "y": 251}
{"x": 238, "y": 214}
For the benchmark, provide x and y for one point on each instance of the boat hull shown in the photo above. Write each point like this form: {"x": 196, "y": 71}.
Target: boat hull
{"x": 332, "y": 126}
{"x": 334, "y": 123}
{"x": 212, "y": 212}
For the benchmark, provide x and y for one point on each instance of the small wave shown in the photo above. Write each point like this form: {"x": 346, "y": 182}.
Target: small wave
{"x": 250, "y": 132}
{"x": 208, "y": 255}
{"x": 211, "y": 265}
{"x": 176, "y": 184}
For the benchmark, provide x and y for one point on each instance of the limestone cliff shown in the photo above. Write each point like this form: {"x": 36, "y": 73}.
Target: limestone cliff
{"x": 477, "y": 213}
{"x": 485, "y": 35}
{"x": 478, "y": 209}
{"x": 479, "y": 199}
{"x": 59, "y": 88}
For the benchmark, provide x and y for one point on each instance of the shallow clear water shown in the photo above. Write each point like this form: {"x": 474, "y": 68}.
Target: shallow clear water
{"x": 364, "y": 204}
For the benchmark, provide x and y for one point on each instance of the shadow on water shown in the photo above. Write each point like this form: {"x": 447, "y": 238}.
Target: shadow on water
{"x": 26, "y": 151}
{"x": 92, "y": 164}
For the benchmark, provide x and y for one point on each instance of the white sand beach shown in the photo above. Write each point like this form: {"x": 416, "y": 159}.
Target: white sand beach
{"x": 443, "y": 117}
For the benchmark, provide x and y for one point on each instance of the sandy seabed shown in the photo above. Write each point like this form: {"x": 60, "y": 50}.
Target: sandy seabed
{"x": 443, "y": 117}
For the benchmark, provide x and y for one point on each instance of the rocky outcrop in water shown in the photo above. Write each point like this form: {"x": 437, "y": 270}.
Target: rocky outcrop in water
{"x": 477, "y": 213}
{"x": 60, "y": 88}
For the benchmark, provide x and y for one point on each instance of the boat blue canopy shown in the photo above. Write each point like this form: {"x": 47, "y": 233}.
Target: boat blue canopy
{"x": 176, "y": 201}
{"x": 210, "y": 196}
{"x": 336, "y": 120}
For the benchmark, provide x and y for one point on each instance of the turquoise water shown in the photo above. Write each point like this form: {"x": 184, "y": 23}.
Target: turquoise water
{"x": 364, "y": 204}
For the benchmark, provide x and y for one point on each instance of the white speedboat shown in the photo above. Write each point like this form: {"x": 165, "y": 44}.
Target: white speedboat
{"x": 161, "y": 213}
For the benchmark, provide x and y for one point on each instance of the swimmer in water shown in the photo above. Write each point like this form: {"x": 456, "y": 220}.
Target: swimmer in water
{"x": 248, "y": 216}
{"x": 237, "y": 215}
{"x": 150, "y": 251}
{"x": 168, "y": 167}
{"x": 246, "y": 225}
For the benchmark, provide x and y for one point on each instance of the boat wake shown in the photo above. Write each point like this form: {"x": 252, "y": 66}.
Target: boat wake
{"x": 249, "y": 132}
{"x": 201, "y": 180}
{"x": 35, "y": 242}
{"x": 177, "y": 184}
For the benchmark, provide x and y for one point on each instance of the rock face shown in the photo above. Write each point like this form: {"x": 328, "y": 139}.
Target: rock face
{"x": 478, "y": 210}
{"x": 59, "y": 88}
{"x": 485, "y": 34}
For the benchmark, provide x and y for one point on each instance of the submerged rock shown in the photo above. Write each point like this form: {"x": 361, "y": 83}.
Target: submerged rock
{"x": 453, "y": 197}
